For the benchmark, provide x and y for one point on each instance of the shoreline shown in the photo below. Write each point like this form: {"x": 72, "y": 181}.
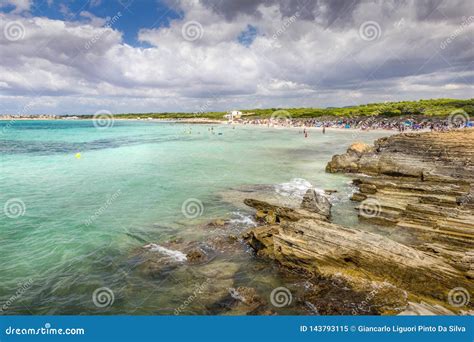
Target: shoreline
{"x": 240, "y": 124}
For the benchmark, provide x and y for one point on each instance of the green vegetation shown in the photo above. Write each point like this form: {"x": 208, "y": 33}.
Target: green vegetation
{"x": 437, "y": 107}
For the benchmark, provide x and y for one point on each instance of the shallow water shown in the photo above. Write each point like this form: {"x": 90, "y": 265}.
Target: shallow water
{"x": 79, "y": 203}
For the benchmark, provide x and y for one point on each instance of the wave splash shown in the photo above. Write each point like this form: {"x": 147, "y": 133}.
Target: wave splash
{"x": 296, "y": 188}
{"x": 176, "y": 255}
{"x": 242, "y": 220}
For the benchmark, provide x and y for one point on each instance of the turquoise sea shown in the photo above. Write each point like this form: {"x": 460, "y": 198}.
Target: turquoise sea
{"x": 79, "y": 203}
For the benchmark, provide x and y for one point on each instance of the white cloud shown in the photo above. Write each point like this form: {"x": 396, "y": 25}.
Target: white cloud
{"x": 85, "y": 66}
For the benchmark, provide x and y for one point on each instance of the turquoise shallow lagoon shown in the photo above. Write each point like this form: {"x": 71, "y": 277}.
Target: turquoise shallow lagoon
{"x": 77, "y": 203}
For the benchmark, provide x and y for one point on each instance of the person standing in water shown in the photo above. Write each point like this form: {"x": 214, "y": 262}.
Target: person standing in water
{"x": 324, "y": 129}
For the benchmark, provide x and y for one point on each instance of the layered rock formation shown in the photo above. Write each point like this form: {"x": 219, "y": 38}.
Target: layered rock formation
{"x": 422, "y": 181}
{"x": 414, "y": 182}
{"x": 417, "y": 181}
{"x": 312, "y": 244}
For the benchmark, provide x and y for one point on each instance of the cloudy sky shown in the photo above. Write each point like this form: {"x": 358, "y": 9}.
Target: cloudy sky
{"x": 124, "y": 56}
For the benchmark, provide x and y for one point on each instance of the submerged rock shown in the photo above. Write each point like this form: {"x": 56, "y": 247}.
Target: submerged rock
{"x": 246, "y": 295}
{"x": 217, "y": 223}
{"x": 154, "y": 261}
{"x": 196, "y": 256}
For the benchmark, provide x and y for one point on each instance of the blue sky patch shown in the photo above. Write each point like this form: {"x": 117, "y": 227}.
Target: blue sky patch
{"x": 247, "y": 36}
{"x": 136, "y": 14}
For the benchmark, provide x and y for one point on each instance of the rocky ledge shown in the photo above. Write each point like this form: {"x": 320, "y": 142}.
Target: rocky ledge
{"x": 421, "y": 183}
{"x": 416, "y": 181}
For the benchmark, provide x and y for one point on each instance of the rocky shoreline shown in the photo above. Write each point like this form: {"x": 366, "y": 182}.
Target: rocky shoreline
{"x": 419, "y": 184}
{"x": 422, "y": 182}
{"x": 419, "y": 181}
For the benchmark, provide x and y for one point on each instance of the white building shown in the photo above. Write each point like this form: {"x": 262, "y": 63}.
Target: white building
{"x": 235, "y": 114}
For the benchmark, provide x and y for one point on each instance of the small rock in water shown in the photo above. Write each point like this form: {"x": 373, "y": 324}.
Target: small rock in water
{"x": 316, "y": 202}
{"x": 219, "y": 222}
{"x": 247, "y": 295}
{"x": 196, "y": 256}
{"x": 247, "y": 302}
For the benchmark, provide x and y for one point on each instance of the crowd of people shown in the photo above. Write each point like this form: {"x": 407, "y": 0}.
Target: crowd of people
{"x": 366, "y": 123}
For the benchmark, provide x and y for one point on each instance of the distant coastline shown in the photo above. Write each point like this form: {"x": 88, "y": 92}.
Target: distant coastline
{"x": 358, "y": 124}
{"x": 404, "y": 116}
{"x": 421, "y": 108}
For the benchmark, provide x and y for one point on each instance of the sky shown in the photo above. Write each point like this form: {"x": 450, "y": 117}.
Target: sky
{"x": 124, "y": 56}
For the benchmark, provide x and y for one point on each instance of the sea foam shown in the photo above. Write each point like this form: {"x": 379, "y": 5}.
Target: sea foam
{"x": 243, "y": 220}
{"x": 176, "y": 255}
{"x": 296, "y": 188}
